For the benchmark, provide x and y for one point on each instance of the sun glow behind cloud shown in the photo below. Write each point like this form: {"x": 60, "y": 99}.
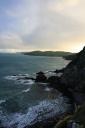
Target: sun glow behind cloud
{"x": 42, "y": 25}
{"x": 77, "y": 47}
{"x": 63, "y": 4}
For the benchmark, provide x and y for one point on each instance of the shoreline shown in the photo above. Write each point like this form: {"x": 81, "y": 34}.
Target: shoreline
{"x": 71, "y": 83}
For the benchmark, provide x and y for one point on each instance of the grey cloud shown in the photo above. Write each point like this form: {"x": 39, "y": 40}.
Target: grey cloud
{"x": 54, "y": 28}
{"x": 39, "y": 26}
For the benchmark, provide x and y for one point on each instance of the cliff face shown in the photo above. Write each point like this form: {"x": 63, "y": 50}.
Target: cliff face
{"x": 74, "y": 79}
{"x": 74, "y": 74}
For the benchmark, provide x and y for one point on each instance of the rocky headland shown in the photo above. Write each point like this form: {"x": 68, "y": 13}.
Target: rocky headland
{"x": 71, "y": 83}
{"x": 69, "y": 110}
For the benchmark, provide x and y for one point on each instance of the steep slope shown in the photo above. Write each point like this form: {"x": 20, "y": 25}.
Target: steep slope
{"x": 74, "y": 76}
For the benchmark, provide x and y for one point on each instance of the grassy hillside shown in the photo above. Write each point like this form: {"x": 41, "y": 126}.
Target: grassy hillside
{"x": 48, "y": 53}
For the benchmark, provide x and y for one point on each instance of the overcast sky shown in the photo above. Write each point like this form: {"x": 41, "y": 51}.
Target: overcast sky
{"x": 42, "y": 25}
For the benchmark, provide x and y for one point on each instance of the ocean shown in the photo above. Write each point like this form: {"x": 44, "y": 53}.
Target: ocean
{"x": 22, "y": 100}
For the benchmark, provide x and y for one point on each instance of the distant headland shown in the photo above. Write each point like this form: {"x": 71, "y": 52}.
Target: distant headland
{"x": 48, "y": 53}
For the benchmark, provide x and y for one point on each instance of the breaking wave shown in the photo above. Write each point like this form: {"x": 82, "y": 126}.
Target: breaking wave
{"x": 21, "y": 79}
{"x": 44, "y": 110}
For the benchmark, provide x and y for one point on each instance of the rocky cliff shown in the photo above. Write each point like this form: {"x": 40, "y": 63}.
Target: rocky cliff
{"x": 74, "y": 73}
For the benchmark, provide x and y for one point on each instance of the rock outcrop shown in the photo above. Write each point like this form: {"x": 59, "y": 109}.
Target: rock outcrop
{"x": 72, "y": 84}
{"x": 59, "y": 70}
{"x": 74, "y": 77}
{"x": 40, "y": 77}
{"x": 74, "y": 73}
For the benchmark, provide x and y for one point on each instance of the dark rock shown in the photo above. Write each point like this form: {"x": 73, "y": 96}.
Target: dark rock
{"x": 71, "y": 84}
{"x": 74, "y": 74}
{"x": 76, "y": 120}
{"x": 39, "y": 73}
{"x": 29, "y": 78}
{"x": 73, "y": 78}
{"x": 70, "y": 57}
{"x": 59, "y": 70}
{"x": 63, "y": 122}
{"x": 53, "y": 80}
{"x": 40, "y": 77}
{"x": 46, "y": 124}
{"x": 26, "y": 78}
{"x": 79, "y": 97}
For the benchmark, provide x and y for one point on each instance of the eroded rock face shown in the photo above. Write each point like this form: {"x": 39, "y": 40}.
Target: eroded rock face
{"x": 74, "y": 74}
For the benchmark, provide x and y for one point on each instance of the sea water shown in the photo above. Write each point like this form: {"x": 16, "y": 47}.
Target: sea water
{"x": 22, "y": 100}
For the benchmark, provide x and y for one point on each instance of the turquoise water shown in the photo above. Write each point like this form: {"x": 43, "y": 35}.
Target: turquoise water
{"x": 17, "y": 63}
{"x": 14, "y": 64}
{"x": 17, "y": 94}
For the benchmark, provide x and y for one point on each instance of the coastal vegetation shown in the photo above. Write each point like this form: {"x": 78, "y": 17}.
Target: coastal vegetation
{"x": 48, "y": 53}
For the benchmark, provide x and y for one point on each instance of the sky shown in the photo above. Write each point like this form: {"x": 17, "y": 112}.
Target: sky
{"x": 57, "y": 25}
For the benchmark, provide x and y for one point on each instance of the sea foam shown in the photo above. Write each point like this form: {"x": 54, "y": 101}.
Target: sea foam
{"x": 23, "y": 79}
{"x": 44, "y": 110}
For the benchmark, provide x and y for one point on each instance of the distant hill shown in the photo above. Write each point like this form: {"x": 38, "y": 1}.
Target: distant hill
{"x": 48, "y": 53}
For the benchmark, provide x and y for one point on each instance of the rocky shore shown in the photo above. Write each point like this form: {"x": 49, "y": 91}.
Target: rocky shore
{"x": 70, "y": 83}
